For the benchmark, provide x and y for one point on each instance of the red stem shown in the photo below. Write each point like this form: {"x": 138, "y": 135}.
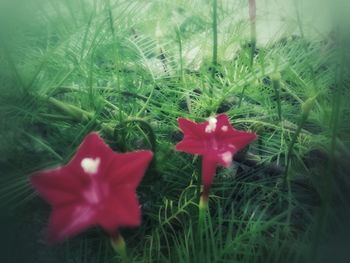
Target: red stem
{"x": 208, "y": 173}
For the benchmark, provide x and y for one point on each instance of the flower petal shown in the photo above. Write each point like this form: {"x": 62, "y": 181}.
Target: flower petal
{"x": 93, "y": 148}
{"x": 222, "y": 120}
{"x": 67, "y": 221}
{"x": 239, "y": 140}
{"x": 190, "y": 128}
{"x": 122, "y": 209}
{"x": 57, "y": 186}
{"x": 216, "y": 140}
{"x": 127, "y": 169}
{"x": 192, "y": 146}
{"x": 97, "y": 186}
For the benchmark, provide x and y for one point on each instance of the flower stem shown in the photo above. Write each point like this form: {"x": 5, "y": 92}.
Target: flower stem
{"x": 215, "y": 39}
{"x": 149, "y": 134}
{"x": 252, "y": 18}
{"x": 75, "y": 113}
{"x": 305, "y": 108}
{"x": 72, "y": 111}
{"x": 145, "y": 125}
{"x": 276, "y": 78}
{"x": 203, "y": 207}
{"x": 119, "y": 246}
{"x": 208, "y": 172}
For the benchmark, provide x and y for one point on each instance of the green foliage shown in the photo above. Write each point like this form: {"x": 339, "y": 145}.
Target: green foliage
{"x": 69, "y": 67}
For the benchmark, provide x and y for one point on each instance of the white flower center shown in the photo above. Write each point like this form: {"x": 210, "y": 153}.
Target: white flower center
{"x": 227, "y": 157}
{"x": 90, "y": 165}
{"x": 224, "y": 128}
{"x": 211, "y": 127}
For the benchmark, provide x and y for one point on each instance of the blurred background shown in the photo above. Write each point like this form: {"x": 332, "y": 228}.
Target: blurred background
{"x": 49, "y": 45}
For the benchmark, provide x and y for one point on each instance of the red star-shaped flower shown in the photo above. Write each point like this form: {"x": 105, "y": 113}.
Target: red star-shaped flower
{"x": 216, "y": 140}
{"x": 97, "y": 187}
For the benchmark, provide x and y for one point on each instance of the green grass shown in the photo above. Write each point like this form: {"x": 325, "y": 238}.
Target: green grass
{"x": 70, "y": 67}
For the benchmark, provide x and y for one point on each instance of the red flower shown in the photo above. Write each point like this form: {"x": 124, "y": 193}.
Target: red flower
{"x": 97, "y": 187}
{"x": 216, "y": 140}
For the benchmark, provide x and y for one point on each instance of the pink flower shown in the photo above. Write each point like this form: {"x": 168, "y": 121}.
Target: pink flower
{"x": 97, "y": 187}
{"x": 216, "y": 140}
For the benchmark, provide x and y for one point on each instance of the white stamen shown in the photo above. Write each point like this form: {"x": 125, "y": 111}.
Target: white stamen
{"x": 227, "y": 157}
{"x": 224, "y": 128}
{"x": 211, "y": 127}
{"x": 90, "y": 165}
